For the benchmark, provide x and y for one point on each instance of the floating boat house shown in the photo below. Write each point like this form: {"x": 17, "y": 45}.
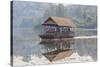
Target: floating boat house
{"x": 57, "y": 27}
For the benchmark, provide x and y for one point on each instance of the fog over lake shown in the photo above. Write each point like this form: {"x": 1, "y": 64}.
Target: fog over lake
{"x": 28, "y": 48}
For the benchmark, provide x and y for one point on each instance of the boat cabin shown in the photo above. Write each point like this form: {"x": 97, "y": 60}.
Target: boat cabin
{"x": 57, "y": 27}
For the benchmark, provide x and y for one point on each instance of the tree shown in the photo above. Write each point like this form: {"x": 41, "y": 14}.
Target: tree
{"x": 61, "y": 11}
{"x": 56, "y": 10}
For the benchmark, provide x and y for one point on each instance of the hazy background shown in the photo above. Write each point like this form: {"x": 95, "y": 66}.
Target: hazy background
{"x": 28, "y": 17}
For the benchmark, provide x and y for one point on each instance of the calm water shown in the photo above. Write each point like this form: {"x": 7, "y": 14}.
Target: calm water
{"x": 28, "y": 45}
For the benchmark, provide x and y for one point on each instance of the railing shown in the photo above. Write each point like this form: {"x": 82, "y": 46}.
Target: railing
{"x": 57, "y": 34}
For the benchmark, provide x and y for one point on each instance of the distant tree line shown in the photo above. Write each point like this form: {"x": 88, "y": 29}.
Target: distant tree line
{"x": 83, "y": 16}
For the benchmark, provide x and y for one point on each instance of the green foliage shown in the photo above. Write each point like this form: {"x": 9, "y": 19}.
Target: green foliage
{"x": 83, "y": 15}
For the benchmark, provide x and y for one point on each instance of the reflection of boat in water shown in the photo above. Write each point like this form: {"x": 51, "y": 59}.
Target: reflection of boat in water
{"x": 58, "y": 54}
{"x": 57, "y": 27}
{"x": 57, "y": 49}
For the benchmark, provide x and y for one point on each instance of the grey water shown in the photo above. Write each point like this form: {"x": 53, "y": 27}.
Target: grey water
{"x": 27, "y": 43}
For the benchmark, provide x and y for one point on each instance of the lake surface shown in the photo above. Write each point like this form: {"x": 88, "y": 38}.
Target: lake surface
{"x": 29, "y": 44}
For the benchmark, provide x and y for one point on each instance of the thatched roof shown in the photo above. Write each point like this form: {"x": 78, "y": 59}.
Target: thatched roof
{"x": 60, "y": 21}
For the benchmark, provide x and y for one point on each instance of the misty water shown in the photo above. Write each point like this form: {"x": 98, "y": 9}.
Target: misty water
{"x": 26, "y": 43}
